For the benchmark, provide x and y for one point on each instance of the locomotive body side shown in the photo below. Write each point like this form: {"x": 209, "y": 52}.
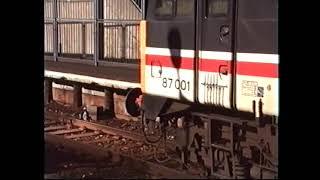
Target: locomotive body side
{"x": 200, "y": 61}
{"x": 218, "y": 53}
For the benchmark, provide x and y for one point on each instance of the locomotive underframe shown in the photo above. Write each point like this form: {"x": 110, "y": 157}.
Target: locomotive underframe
{"x": 225, "y": 146}
{"x": 230, "y": 147}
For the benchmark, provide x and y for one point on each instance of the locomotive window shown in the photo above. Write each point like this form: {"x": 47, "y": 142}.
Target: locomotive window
{"x": 164, "y": 8}
{"x": 184, "y": 7}
{"x": 217, "y": 7}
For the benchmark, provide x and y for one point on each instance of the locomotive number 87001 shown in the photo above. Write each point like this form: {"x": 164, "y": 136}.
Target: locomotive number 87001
{"x": 176, "y": 83}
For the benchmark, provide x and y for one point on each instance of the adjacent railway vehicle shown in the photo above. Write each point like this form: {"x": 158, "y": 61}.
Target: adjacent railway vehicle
{"x": 209, "y": 68}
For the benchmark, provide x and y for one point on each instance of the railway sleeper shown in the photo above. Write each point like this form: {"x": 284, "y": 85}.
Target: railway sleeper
{"x": 54, "y": 128}
{"x": 82, "y": 135}
{"x": 60, "y": 132}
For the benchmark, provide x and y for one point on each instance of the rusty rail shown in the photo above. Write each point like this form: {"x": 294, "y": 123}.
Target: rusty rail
{"x": 104, "y": 128}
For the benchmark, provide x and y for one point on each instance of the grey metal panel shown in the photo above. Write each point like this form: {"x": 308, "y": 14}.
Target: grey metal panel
{"x": 258, "y": 26}
{"x": 183, "y": 26}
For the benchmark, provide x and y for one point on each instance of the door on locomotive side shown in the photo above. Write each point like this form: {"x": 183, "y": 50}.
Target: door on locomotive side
{"x": 215, "y": 52}
{"x": 257, "y": 57}
{"x": 170, "y": 49}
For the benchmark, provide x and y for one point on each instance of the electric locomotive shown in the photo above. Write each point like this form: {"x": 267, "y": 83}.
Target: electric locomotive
{"x": 209, "y": 68}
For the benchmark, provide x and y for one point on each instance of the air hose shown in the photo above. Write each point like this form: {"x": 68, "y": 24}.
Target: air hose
{"x": 155, "y": 141}
{"x": 166, "y": 154}
{"x": 145, "y": 134}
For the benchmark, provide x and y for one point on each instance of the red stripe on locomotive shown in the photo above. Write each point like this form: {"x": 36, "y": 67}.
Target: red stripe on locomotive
{"x": 211, "y": 65}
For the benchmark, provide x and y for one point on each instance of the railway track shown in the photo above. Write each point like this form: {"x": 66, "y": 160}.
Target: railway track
{"x": 97, "y": 127}
{"x": 114, "y": 144}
